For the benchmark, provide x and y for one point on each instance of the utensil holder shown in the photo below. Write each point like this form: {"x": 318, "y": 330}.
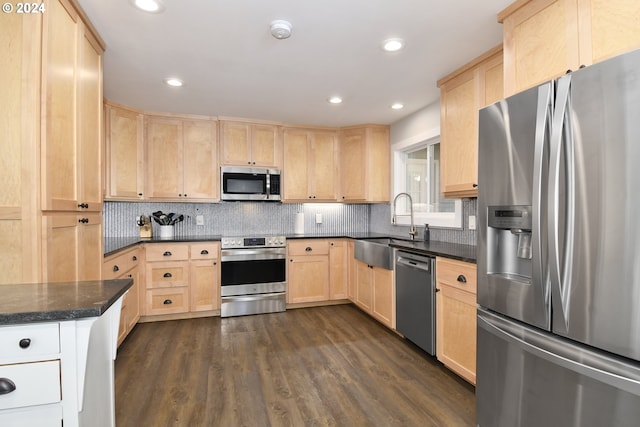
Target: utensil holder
{"x": 166, "y": 232}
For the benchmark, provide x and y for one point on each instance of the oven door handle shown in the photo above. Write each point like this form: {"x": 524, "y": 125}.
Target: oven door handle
{"x": 252, "y": 297}
{"x": 252, "y": 254}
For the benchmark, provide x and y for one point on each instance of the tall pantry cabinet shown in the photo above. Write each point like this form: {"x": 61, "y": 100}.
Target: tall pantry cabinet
{"x": 53, "y": 156}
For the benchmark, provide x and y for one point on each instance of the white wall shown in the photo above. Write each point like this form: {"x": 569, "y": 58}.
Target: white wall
{"x": 422, "y": 125}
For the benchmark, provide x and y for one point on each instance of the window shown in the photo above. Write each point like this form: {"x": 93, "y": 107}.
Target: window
{"x": 417, "y": 172}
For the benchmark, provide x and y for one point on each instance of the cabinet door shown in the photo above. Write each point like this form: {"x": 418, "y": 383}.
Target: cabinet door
{"x": 265, "y": 145}
{"x": 164, "y": 157}
{"x": 378, "y": 164}
{"x": 90, "y": 123}
{"x": 364, "y": 286}
{"x": 296, "y": 165}
{"x": 19, "y": 108}
{"x": 383, "y": 297}
{"x": 491, "y": 80}
{"x": 352, "y": 165}
{"x": 540, "y": 43}
{"x": 235, "y": 143}
{"x": 607, "y": 28}
{"x": 200, "y": 160}
{"x": 456, "y": 331}
{"x": 459, "y": 125}
{"x": 338, "y": 269}
{"x": 308, "y": 279}
{"x": 59, "y": 155}
{"x": 322, "y": 180}
{"x": 125, "y": 177}
{"x": 205, "y": 285}
{"x": 73, "y": 247}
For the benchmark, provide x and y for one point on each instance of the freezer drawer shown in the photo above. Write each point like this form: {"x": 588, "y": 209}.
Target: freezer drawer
{"x": 529, "y": 378}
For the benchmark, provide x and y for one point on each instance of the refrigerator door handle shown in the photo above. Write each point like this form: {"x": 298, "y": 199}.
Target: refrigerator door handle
{"x": 560, "y": 263}
{"x": 614, "y": 372}
{"x": 541, "y": 144}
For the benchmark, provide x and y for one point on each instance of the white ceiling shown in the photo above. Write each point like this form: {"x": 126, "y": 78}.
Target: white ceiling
{"x": 232, "y": 66}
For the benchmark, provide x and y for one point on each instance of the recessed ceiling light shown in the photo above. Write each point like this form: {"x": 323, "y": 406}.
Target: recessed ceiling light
{"x": 153, "y": 6}
{"x": 397, "y": 106}
{"x": 335, "y": 100}
{"x": 392, "y": 45}
{"x": 172, "y": 81}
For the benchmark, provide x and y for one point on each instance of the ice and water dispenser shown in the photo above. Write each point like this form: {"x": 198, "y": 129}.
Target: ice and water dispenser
{"x": 509, "y": 242}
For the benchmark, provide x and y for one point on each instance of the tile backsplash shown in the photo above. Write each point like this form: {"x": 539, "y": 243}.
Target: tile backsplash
{"x": 246, "y": 218}
{"x": 238, "y": 218}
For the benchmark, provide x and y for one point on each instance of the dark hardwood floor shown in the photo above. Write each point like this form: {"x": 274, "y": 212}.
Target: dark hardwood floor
{"x": 324, "y": 366}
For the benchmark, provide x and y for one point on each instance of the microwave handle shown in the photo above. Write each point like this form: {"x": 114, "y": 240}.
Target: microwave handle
{"x": 268, "y": 190}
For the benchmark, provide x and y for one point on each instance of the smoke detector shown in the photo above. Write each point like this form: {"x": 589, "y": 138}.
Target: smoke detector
{"x": 281, "y": 29}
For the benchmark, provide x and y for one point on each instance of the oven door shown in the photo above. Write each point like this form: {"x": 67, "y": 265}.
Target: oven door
{"x": 253, "y": 271}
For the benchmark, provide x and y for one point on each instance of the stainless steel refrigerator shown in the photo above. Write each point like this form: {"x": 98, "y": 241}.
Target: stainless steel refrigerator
{"x": 559, "y": 252}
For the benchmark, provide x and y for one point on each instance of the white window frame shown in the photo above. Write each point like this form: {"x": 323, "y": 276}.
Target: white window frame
{"x": 434, "y": 219}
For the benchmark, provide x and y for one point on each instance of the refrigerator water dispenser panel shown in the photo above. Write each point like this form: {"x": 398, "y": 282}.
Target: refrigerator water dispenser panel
{"x": 509, "y": 231}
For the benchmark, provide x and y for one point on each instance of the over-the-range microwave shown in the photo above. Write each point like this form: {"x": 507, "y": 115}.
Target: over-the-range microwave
{"x": 246, "y": 183}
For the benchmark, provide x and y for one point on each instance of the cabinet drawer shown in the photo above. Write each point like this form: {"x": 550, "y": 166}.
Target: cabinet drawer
{"x": 459, "y": 274}
{"x": 204, "y": 251}
{"x": 167, "y": 301}
{"x": 308, "y": 247}
{"x": 29, "y": 342}
{"x": 115, "y": 265}
{"x": 35, "y": 384}
{"x": 163, "y": 252}
{"x": 41, "y": 416}
{"x": 167, "y": 274}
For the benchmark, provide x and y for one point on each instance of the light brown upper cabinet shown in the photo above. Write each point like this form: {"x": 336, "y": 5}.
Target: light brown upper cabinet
{"x": 310, "y": 165}
{"x": 72, "y": 112}
{"x": 545, "y": 38}
{"x": 124, "y": 153}
{"x": 181, "y": 159}
{"x": 249, "y": 144}
{"x": 364, "y": 153}
{"x": 462, "y": 94}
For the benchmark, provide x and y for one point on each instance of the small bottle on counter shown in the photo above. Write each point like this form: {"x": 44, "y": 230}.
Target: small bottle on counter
{"x": 426, "y": 233}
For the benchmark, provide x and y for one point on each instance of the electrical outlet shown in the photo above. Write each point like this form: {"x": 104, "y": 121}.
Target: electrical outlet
{"x": 199, "y": 220}
{"x": 318, "y": 218}
{"x": 472, "y": 222}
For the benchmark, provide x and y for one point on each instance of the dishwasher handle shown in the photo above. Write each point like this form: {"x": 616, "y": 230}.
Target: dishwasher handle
{"x": 413, "y": 264}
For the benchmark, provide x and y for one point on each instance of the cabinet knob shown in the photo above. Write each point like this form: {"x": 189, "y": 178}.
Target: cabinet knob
{"x": 167, "y": 253}
{"x": 308, "y": 249}
{"x": 215, "y": 263}
{"x": 462, "y": 279}
{"x": 139, "y": 194}
{"x": 25, "y": 342}
{"x": 475, "y": 185}
{"x": 167, "y": 302}
{"x": 6, "y": 386}
{"x": 204, "y": 252}
{"x": 167, "y": 275}
{"x": 134, "y": 258}
{"x": 185, "y": 194}
{"x": 130, "y": 276}
{"x": 179, "y": 195}
{"x": 116, "y": 268}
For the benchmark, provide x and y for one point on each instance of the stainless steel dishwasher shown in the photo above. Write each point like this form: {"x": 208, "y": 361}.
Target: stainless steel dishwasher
{"x": 415, "y": 299}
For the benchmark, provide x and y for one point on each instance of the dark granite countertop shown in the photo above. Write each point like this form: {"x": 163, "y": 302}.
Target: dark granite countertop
{"x": 450, "y": 250}
{"x": 43, "y": 302}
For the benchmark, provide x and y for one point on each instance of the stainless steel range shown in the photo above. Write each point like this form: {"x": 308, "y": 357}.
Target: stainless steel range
{"x": 253, "y": 275}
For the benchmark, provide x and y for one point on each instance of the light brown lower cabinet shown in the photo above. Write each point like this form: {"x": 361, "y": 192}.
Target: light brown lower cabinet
{"x": 126, "y": 264}
{"x": 375, "y": 292}
{"x": 456, "y": 316}
{"x": 182, "y": 278}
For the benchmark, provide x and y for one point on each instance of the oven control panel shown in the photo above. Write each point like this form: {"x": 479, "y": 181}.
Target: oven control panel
{"x": 253, "y": 242}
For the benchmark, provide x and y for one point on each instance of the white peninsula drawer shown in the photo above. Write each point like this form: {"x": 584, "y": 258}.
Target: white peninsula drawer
{"x": 33, "y": 383}
{"x": 28, "y": 342}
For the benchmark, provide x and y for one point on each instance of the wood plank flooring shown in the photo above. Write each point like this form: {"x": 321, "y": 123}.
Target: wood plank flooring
{"x": 324, "y": 366}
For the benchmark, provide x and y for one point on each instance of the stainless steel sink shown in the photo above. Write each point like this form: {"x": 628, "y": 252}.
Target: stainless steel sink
{"x": 375, "y": 252}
